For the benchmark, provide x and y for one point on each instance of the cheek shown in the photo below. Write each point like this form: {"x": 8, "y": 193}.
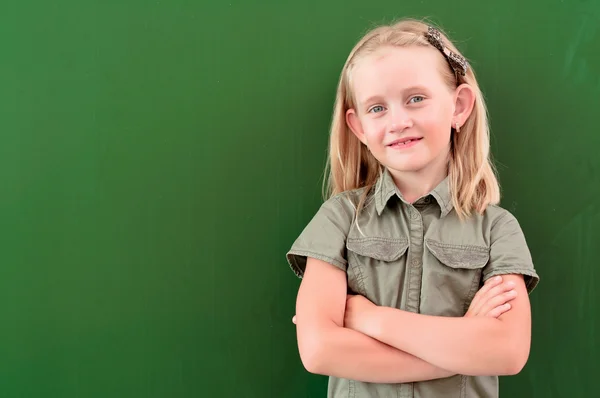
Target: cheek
{"x": 438, "y": 124}
{"x": 374, "y": 131}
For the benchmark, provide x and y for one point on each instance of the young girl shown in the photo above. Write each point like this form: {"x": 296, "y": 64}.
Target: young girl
{"x": 393, "y": 260}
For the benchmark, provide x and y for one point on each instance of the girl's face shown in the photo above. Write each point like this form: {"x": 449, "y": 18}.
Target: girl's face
{"x": 405, "y": 110}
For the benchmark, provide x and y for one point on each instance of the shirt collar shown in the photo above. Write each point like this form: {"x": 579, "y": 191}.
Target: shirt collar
{"x": 385, "y": 189}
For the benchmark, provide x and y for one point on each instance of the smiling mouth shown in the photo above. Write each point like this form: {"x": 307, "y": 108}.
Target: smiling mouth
{"x": 405, "y": 143}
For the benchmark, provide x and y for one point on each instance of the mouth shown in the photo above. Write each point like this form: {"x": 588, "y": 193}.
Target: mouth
{"x": 405, "y": 142}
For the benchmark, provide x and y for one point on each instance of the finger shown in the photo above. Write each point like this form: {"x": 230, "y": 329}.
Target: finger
{"x": 477, "y": 301}
{"x": 498, "y": 300}
{"x": 489, "y": 284}
{"x": 294, "y": 319}
{"x": 495, "y": 280}
{"x": 501, "y": 309}
{"x": 498, "y": 290}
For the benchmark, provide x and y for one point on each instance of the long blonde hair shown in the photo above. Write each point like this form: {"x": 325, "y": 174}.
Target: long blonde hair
{"x": 472, "y": 177}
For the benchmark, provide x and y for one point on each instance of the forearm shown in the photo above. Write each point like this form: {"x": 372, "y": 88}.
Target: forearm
{"x": 470, "y": 346}
{"x": 348, "y": 354}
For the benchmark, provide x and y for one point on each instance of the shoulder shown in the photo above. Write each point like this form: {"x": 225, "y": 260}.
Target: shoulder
{"x": 499, "y": 218}
{"x": 352, "y": 196}
{"x": 324, "y": 237}
{"x": 348, "y": 201}
{"x": 509, "y": 251}
{"x": 478, "y": 229}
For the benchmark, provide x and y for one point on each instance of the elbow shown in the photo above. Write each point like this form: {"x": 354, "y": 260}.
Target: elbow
{"x": 515, "y": 365}
{"x": 312, "y": 354}
{"x": 312, "y": 362}
{"x": 515, "y": 359}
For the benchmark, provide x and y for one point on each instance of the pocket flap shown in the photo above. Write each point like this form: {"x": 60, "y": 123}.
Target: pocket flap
{"x": 386, "y": 249}
{"x": 457, "y": 256}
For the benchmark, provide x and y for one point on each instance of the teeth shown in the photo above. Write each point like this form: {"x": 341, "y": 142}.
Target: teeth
{"x": 404, "y": 142}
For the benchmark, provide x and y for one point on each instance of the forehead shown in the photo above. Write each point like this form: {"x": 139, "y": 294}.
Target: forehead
{"x": 397, "y": 68}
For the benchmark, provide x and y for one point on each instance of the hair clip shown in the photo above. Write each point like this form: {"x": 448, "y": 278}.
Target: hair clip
{"x": 458, "y": 63}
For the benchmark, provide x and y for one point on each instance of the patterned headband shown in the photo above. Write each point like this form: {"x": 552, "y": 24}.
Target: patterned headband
{"x": 457, "y": 62}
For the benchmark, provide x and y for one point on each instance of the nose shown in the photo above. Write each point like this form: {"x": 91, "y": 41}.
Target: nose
{"x": 399, "y": 120}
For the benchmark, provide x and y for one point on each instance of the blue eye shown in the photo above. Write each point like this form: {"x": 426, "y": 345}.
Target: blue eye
{"x": 376, "y": 109}
{"x": 416, "y": 98}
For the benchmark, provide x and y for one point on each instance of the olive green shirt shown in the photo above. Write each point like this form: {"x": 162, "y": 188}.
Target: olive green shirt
{"x": 417, "y": 257}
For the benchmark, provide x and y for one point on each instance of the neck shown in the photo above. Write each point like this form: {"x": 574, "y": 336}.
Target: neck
{"x": 416, "y": 184}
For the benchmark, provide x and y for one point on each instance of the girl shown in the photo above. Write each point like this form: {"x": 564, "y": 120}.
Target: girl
{"x": 412, "y": 230}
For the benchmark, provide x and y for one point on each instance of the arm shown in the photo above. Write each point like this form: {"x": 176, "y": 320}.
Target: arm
{"x": 326, "y": 347}
{"x": 470, "y": 346}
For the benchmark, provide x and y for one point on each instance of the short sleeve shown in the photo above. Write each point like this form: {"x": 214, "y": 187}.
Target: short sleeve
{"x": 509, "y": 253}
{"x": 324, "y": 238}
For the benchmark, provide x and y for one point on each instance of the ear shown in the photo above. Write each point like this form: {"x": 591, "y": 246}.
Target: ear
{"x": 354, "y": 123}
{"x": 464, "y": 100}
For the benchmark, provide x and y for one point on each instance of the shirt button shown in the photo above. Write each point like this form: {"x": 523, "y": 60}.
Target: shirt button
{"x": 414, "y": 214}
{"x": 415, "y": 263}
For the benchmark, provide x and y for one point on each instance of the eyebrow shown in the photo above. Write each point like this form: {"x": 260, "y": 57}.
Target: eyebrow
{"x": 416, "y": 88}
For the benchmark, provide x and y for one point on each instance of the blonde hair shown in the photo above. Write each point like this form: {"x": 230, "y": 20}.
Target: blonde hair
{"x": 473, "y": 182}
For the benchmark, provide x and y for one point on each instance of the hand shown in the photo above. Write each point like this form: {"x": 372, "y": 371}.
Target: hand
{"x": 492, "y": 300}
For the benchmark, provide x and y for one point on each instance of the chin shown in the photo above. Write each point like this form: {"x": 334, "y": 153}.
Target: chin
{"x": 406, "y": 167}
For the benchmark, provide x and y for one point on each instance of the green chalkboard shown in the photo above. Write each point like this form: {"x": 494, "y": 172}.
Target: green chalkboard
{"x": 158, "y": 158}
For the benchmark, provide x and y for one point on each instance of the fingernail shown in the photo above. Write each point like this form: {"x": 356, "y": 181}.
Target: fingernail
{"x": 497, "y": 278}
{"x": 511, "y": 283}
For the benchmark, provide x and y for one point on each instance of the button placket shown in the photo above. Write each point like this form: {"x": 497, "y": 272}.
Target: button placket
{"x": 413, "y": 213}
{"x": 415, "y": 270}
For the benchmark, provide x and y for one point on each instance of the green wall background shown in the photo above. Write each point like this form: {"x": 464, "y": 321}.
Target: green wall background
{"x": 158, "y": 158}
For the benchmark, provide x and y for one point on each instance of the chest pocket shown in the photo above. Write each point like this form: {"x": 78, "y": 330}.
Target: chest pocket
{"x": 455, "y": 271}
{"x": 376, "y": 267}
